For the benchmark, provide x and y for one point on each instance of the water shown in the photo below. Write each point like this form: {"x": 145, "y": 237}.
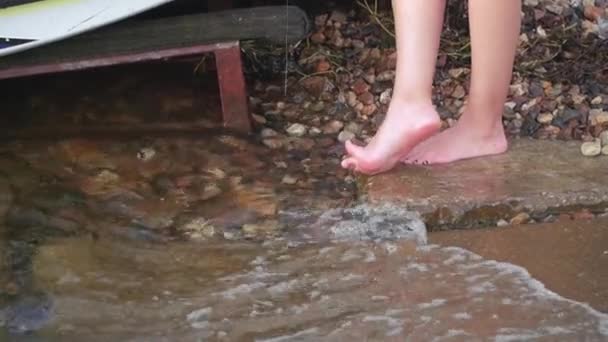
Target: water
{"x": 203, "y": 243}
{"x": 286, "y": 290}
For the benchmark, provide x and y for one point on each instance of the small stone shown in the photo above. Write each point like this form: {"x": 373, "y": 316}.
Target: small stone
{"x": 145, "y": 154}
{"x": 517, "y": 89}
{"x": 274, "y": 143}
{"x": 591, "y": 148}
{"x": 597, "y": 100}
{"x": 385, "y": 76}
{"x": 345, "y": 136}
{"x": 541, "y": 32}
{"x": 605, "y": 150}
{"x": 314, "y": 131}
{"x": 545, "y": 118}
{"x": 502, "y": 223}
{"x": 317, "y": 106}
{"x": 386, "y": 96}
{"x": 604, "y": 138}
{"x": 268, "y": 133}
{"x": 351, "y": 99}
{"x": 520, "y": 218}
{"x": 456, "y": 72}
{"x": 369, "y": 109}
{"x": 511, "y": 105}
{"x": 297, "y": 130}
{"x": 290, "y": 180}
{"x": 366, "y": 98}
{"x": 353, "y": 127}
{"x": 360, "y": 86}
{"x": 333, "y": 127}
{"x": 210, "y": 191}
{"x": 459, "y": 92}
{"x": 598, "y": 117}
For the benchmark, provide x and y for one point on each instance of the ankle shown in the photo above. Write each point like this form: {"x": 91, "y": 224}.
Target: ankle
{"x": 485, "y": 128}
{"x": 412, "y": 98}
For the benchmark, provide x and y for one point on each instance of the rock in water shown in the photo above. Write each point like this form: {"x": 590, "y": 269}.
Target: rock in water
{"x": 29, "y": 313}
{"x": 604, "y": 138}
{"x": 368, "y": 223}
{"x": 591, "y": 148}
{"x": 605, "y": 150}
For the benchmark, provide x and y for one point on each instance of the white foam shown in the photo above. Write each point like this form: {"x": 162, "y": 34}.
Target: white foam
{"x": 285, "y": 338}
{"x": 433, "y": 304}
{"x": 242, "y": 289}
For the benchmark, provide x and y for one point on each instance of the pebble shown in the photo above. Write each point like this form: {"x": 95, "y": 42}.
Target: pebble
{"x": 366, "y": 98}
{"x": 289, "y": 180}
{"x": 502, "y": 223}
{"x": 604, "y": 138}
{"x": 146, "y": 154}
{"x": 297, "y": 130}
{"x": 274, "y": 143}
{"x": 385, "y": 76}
{"x": 333, "y": 127}
{"x": 314, "y": 131}
{"x": 353, "y": 127}
{"x": 317, "y": 106}
{"x": 345, "y": 136}
{"x": 545, "y": 118}
{"x": 605, "y": 150}
{"x": 459, "y": 92}
{"x": 456, "y": 72}
{"x": 386, "y": 96}
{"x": 268, "y": 133}
{"x": 597, "y": 100}
{"x": 591, "y": 148}
{"x": 598, "y": 117}
{"x": 520, "y": 218}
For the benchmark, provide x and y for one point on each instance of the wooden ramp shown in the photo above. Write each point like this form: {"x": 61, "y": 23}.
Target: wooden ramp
{"x": 135, "y": 41}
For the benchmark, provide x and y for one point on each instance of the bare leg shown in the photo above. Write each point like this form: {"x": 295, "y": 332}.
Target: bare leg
{"x": 495, "y": 29}
{"x": 411, "y": 117}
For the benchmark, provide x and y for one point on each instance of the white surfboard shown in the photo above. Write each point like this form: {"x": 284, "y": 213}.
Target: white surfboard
{"x": 38, "y": 22}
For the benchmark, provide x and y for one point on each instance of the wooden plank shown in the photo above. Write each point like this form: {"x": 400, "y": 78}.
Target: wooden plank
{"x": 141, "y": 36}
{"x": 235, "y": 110}
{"x": 73, "y": 65}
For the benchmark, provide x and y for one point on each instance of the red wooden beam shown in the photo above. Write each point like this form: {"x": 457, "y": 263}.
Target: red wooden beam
{"x": 232, "y": 88}
{"x": 229, "y": 69}
{"x": 48, "y": 68}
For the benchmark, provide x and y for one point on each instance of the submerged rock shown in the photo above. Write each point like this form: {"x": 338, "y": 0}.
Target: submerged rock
{"x": 591, "y": 148}
{"x": 29, "y": 313}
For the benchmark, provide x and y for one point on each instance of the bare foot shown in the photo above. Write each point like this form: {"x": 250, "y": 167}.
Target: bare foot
{"x": 405, "y": 126}
{"x": 463, "y": 141}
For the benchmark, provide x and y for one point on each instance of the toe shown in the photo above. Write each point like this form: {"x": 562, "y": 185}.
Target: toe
{"x": 349, "y": 163}
{"x": 354, "y": 150}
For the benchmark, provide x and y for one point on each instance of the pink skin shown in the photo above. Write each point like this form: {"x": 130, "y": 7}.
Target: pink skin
{"x": 494, "y": 30}
{"x": 411, "y": 118}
